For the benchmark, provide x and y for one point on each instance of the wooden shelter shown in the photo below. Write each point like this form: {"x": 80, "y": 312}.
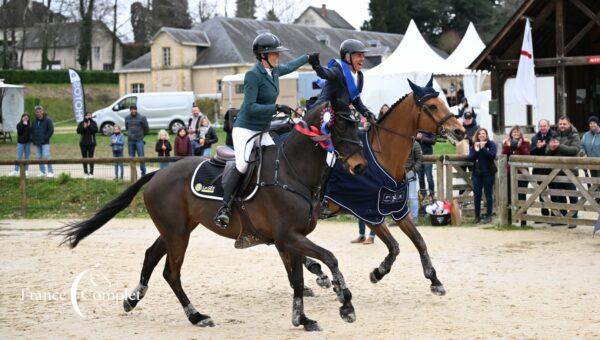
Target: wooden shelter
{"x": 566, "y": 45}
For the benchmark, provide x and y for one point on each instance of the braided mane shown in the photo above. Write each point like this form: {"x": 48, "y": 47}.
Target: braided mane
{"x": 380, "y": 119}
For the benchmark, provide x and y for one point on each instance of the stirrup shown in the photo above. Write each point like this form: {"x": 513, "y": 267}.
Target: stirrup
{"x": 324, "y": 212}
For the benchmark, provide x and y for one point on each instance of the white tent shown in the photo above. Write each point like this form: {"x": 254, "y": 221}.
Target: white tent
{"x": 13, "y": 106}
{"x": 467, "y": 50}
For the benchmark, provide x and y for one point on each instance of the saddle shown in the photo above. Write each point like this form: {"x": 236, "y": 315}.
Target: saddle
{"x": 206, "y": 183}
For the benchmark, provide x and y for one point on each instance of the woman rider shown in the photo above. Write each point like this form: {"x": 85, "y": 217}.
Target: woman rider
{"x": 261, "y": 88}
{"x": 344, "y": 79}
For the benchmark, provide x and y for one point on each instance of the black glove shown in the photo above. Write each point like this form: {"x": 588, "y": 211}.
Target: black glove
{"x": 370, "y": 116}
{"x": 283, "y": 108}
{"x": 313, "y": 60}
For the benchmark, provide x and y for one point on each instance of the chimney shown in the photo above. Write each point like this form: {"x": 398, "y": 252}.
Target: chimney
{"x": 323, "y": 10}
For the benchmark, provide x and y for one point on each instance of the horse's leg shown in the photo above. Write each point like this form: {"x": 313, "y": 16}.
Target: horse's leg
{"x": 293, "y": 262}
{"x": 408, "y": 227}
{"x": 288, "y": 268}
{"x": 315, "y": 268}
{"x": 303, "y": 246}
{"x": 382, "y": 231}
{"x": 153, "y": 255}
{"x": 176, "y": 246}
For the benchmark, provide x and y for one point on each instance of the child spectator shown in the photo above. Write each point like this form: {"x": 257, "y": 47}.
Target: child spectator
{"x": 183, "y": 146}
{"x": 483, "y": 152}
{"x": 205, "y": 138}
{"x": 87, "y": 142}
{"x": 163, "y": 147}
{"x": 117, "y": 141}
{"x": 23, "y": 143}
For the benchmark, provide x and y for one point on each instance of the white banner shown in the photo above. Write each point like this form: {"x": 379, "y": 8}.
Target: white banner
{"x": 78, "y": 95}
{"x": 525, "y": 88}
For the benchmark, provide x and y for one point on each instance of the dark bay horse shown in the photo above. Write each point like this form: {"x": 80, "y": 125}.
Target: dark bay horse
{"x": 391, "y": 139}
{"x": 284, "y": 211}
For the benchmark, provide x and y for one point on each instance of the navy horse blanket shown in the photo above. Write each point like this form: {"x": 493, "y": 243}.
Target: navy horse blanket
{"x": 369, "y": 197}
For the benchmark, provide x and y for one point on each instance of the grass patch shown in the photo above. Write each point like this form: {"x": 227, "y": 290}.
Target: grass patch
{"x": 508, "y": 227}
{"x": 444, "y": 148}
{"x": 64, "y": 197}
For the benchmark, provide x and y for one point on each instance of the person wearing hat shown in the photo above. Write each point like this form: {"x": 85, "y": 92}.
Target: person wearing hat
{"x": 261, "y": 89}
{"x": 470, "y": 124}
{"x": 591, "y": 142}
{"x": 137, "y": 128}
{"x": 343, "y": 78}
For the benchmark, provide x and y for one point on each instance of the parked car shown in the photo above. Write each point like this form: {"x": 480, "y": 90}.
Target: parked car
{"x": 164, "y": 110}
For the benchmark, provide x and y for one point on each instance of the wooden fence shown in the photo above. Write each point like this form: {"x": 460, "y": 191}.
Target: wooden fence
{"x": 564, "y": 179}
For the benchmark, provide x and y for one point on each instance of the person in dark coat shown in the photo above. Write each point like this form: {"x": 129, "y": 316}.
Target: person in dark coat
{"x": 183, "y": 146}
{"x": 566, "y": 143}
{"x": 137, "y": 128}
{"x": 205, "y": 138}
{"x": 538, "y": 148}
{"x": 228, "y": 120}
{"x": 163, "y": 147}
{"x": 483, "y": 152}
{"x": 42, "y": 130}
{"x": 427, "y": 140}
{"x": 88, "y": 129}
{"x": 23, "y": 142}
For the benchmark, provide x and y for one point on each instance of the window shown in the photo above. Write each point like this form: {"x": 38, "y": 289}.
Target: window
{"x": 107, "y": 67}
{"x": 219, "y": 85}
{"x": 96, "y": 52}
{"x": 166, "y": 56}
{"x": 323, "y": 39}
{"x": 55, "y": 65}
{"x": 126, "y": 103}
{"x": 137, "y": 88}
{"x": 239, "y": 88}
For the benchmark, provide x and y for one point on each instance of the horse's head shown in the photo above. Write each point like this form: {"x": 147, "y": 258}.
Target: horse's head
{"x": 344, "y": 135}
{"x": 437, "y": 118}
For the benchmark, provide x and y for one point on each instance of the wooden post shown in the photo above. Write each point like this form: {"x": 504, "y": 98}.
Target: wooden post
{"x": 439, "y": 174}
{"x": 502, "y": 190}
{"x": 561, "y": 87}
{"x": 529, "y": 117}
{"x": 513, "y": 193}
{"x": 133, "y": 171}
{"x": 449, "y": 182}
{"x": 23, "y": 189}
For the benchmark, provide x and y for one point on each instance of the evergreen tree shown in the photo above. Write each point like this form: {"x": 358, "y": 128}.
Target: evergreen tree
{"x": 140, "y": 22}
{"x": 245, "y": 9}
{"x": 170, "y": 13}
{"x": 271, "y": 16}
{"x": 387, "y": 16}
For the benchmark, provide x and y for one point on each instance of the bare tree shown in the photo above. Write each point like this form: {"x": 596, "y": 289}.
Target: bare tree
{"x": 5, "y": 37}
{"x": 85, "y": 38}
{"x": 206, "y": 10}
{"x": 113, "y": 55}
{"x": 282, "y": 10}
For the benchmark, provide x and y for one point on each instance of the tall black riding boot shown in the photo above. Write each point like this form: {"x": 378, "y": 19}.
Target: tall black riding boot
{"x": 230, "y": 181}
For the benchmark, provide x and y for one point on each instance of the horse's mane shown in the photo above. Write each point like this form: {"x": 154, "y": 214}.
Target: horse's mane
{"x": 380, "y": 119}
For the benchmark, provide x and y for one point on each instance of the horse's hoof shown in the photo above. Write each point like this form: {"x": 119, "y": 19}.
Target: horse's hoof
{"x": 324, "y": 281}
{"x": 206, "y": 323}
{"x": 373, "y": 277}
{"x": 308, "y": 292}
{"x": 347, "y": 314}
{"x": 438, "y": 290}
{"x": 127, "y": 306}
{"x": 312, "y": 326}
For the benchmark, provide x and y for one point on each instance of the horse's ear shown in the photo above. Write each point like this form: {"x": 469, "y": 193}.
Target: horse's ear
{"x": 413, "y": 86}
{"x": 430, "y": 82}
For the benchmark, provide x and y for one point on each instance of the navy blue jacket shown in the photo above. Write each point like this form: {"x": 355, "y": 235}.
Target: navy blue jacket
{"x": 42, "y": 130}
{"x": 427, "y": 142}
{"x": 336, "y": 92}
{"x": 483, "y": 160}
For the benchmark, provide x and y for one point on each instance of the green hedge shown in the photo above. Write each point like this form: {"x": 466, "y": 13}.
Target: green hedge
{"x": 57, "y": 77}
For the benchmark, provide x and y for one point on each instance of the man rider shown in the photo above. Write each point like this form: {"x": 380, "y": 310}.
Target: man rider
{"x": 261, "y": 88}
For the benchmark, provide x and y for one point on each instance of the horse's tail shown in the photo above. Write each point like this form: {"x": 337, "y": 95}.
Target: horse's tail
{"x": 74, "y": 232}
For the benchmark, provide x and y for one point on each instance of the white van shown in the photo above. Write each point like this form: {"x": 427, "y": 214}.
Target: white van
{"x": 163, "y": 110}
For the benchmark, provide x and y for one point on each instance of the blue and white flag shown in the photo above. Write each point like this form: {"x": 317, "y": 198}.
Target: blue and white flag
{"x": 78, "y": 95}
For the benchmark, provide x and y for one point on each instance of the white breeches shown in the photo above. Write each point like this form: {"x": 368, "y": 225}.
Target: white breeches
{"x": 243, "y": 146}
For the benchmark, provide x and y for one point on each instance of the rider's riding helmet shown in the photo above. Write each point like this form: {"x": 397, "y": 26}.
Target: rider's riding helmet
{"x": 351, "y": 46}
{"x": 265, "y": 43}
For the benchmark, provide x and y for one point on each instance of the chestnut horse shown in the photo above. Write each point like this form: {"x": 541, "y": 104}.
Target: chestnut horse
{"x": 283, "y": 211}
{"x": 391, "y": 138}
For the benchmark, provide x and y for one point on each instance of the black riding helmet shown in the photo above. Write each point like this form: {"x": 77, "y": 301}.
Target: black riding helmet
{"x": 351, "y": 46}
{"x": 266, "y": 43}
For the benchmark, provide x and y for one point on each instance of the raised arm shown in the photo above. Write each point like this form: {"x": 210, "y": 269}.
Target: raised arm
{"x": 292, "y": 65}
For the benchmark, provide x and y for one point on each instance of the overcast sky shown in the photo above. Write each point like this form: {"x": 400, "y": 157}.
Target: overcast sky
{"x": 355, "y": 13}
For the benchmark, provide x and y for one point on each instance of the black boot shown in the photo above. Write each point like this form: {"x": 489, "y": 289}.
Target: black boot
{"x": 230, "y": 181}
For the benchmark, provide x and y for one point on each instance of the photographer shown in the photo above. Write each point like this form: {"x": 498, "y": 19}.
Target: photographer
{"x": 87, "y": 128}
{"x": 516, "y": 144}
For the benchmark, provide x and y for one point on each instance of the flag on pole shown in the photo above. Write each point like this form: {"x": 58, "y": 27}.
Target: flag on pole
{"x": 78, "y": 95}
{"x": 525, "y": 90}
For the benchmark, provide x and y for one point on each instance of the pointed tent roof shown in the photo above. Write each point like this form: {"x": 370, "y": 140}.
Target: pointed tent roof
{"x": 466, "y": 52}
{"x": 413, "y": 55}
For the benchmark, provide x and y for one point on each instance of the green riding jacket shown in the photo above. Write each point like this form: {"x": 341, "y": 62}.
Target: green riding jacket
{"x": 261, "y": 92}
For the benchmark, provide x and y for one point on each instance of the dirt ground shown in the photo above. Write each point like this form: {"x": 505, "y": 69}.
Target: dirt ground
{"x": 542, "y": 283}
